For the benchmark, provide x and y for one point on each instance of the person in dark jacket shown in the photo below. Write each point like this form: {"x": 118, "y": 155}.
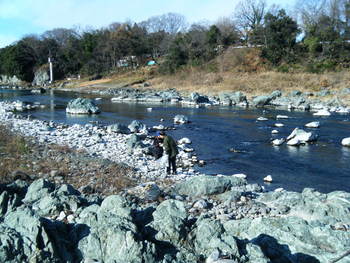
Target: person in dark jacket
{"x": 170, "y": 148}
{"x": 157, "y": 149}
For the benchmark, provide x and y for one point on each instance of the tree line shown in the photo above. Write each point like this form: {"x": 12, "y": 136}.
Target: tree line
{"x": 316, "y": 31}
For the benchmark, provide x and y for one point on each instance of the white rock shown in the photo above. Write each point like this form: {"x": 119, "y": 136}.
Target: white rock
{"x": 278, "y": 142}
{"x": 346, "y": 142}
{"x": 302, "y": 135}
{"x": 313, "y": 124}
{"x": 282, "y": 117}
{"x": 343, "y": 110}
{"x": 188, "y": 150}
{"x": 61, "y": 216}
{"x": 274, "y": 131}
{"x": 184, "y": 141}
{"x": 322, "y": 112}
{"x": 279, "y": 124}
{"x": 268, "y": 178}
{"x": 262, "y": 119}
{"x": 294, "y": 142}
{"x": 201, "y": 204}
{"x": 240, "y": 176}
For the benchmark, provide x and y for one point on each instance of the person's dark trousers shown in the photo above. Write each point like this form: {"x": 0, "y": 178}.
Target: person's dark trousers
{"x": 171, "y": 164}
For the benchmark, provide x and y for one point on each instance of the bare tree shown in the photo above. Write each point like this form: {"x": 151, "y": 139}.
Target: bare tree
{"x": 249, "y": 16}
{"x": 309, "y": 12}
{"x": 228, "y": 30}
{"x": 171, "y": 23}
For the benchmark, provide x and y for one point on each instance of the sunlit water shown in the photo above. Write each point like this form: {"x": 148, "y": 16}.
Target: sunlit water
{"x": 324, "y": 165}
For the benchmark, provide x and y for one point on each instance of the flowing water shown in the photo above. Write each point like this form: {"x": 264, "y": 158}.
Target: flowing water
{"x": 324, "y": 165}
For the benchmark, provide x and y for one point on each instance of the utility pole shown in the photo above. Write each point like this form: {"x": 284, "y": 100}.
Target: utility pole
{"x": 51, "y": 70}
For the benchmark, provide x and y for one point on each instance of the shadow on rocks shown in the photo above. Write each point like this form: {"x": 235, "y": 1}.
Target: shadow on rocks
{"x": 278, "y": 253}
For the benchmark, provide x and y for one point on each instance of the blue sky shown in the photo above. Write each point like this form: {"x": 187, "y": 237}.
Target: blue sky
{"x": 22, "y": 17}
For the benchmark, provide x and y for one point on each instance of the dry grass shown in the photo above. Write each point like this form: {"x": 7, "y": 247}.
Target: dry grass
{"x": 59, "y": 164}
{"x": 252, "y": 83}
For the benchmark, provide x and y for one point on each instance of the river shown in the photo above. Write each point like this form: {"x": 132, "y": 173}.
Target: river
{"x": 324, "y": 165}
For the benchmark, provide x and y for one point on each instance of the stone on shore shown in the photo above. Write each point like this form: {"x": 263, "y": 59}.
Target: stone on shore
{"x": 82, "y": 106}
{"x": 118, "y": 128}
{"x": 322, "y": 112}
{"x": 137, "y": 127}
{"x": 207, "y": 185}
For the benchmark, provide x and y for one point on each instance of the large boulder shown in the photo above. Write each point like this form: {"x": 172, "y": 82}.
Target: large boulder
{"x": 25, "y": 237}
{"x": 134, "y": 142}
{"x": 82, "y": 106}
{"x": 137, "y": 126}
{"x": 302, "y": 136}
{"x": 232, "y": 98}
{"x": 197, "y": 98}
{"x": 291, "y": 239}
{"x": 107, "y": 234}
{"x": 10, "y": 80}
{"x": 170, "y": 222}
{"x": 209, "y": 236}
{"x": 41, "y": 77}
{"x": 261, "y": 101}
{"x": 207, "y": 185}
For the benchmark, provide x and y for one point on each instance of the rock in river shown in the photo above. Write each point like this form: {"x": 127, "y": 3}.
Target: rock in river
{"x": 302, "y": 136}
{"x": 82, "y": 106}
{"x": 180, "y": 119}
{"x": 346, "y": 142}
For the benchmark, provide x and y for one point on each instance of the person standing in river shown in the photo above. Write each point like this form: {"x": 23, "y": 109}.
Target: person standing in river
{"x": 171, "y": 150}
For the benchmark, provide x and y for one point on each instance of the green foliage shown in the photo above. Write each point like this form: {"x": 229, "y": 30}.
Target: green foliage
{"x": 280, "y": 34}
{"x": 313, "y": 45}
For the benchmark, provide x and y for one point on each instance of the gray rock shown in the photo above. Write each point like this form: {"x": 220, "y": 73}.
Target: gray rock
{"x": 302, "y": 136}
{"x": 111, "y": 236}
{"x": 137, "y": 126}
{"x": 82, "y": 106}
{"x": 275, "y": 94}
{"x": 41, "y": 77}
{"x": 232, "y": 98}
{"x": 31, "y": 239}
{"x": 13, "y": 81}
{"x": 290, "y": 239}
{"x": 170, "y": 222}
{"x": 197, "y": 98}
{"x": 134, "y": 142}
{"x": 261, "y": 101}
{"x": 38, "y": 189}
{"x": 207, "y": 185}
{"x": 118, "y": 128}
{"x": 210, "y": 236}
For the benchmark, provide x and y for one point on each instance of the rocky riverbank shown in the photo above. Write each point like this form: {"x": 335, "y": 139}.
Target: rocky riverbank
{"x": 203, "y": 219}
{"x": 185, "y": 218}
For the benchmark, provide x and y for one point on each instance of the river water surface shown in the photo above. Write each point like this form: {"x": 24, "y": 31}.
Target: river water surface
{"x": 324, "y": 165}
